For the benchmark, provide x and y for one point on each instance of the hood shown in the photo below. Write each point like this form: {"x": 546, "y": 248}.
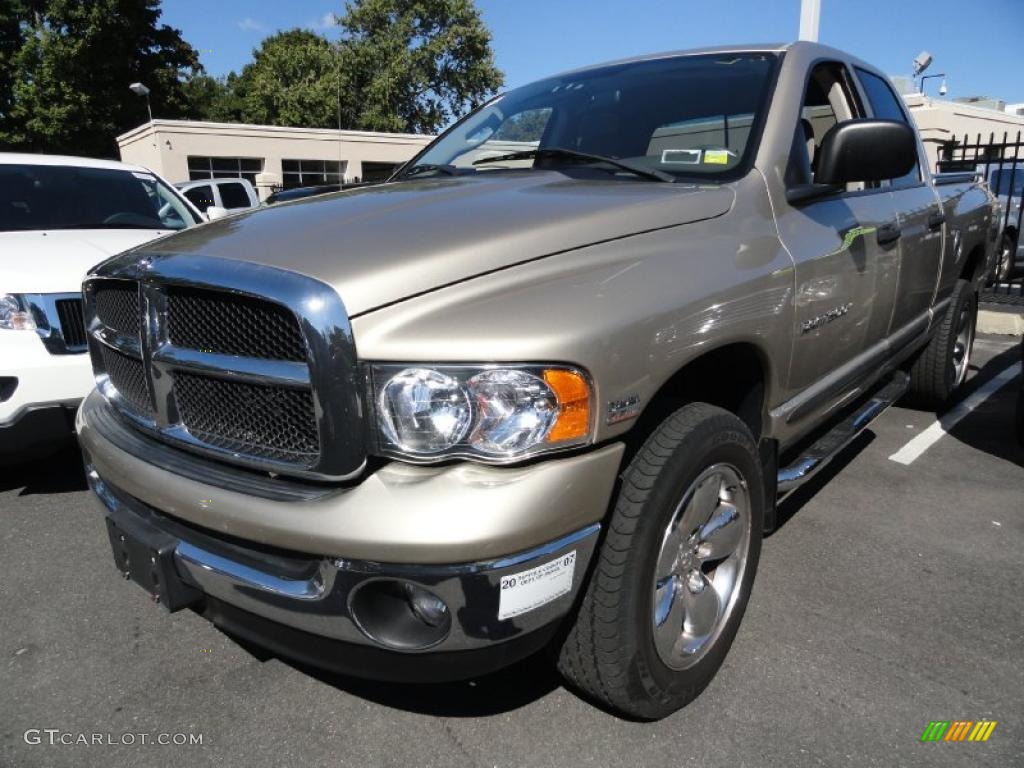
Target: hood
{"x": 380, "y": 244}
{"x": 55, "y": 261}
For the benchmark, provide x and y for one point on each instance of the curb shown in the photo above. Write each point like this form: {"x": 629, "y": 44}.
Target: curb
{"x": 1000, "y": 323}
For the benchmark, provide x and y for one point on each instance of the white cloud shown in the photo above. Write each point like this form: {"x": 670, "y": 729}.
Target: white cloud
{"x": 249, "y": 24}
{"x": 327, "y": 21}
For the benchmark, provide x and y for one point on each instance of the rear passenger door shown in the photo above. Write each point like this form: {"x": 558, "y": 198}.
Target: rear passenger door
{"x": 919, "y": 220}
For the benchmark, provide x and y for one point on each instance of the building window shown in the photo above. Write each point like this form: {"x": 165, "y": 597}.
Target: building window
{"x": 378, "y": 171}
{"x": 224, "y": 168}
{"x": 311, "y": 173}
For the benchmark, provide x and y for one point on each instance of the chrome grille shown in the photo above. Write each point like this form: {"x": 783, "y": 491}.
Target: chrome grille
{"x": 232, "y": 325}
{"x": 253, "y": 365}
{"x": 127, "y": 376}
{"x": 269, "y": 422}
{"x": 117, "y": 307}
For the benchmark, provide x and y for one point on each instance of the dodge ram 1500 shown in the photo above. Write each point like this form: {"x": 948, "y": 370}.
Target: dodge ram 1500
{"x": 544, "y": 387}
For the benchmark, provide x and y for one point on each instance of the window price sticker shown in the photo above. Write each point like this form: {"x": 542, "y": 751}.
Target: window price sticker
{"x": 528, "y": 590}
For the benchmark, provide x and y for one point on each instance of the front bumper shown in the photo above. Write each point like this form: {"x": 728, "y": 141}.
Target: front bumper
{"x": 298, "y": 567}
{"x": 308, "y": 607}
{"x": 31, "y": 377}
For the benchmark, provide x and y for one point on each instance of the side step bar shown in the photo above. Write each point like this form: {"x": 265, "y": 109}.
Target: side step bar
{"x": 829, "y": 445}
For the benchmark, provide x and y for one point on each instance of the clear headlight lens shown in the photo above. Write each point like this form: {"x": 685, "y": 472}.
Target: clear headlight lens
{"x": 487, "y": 412}
{"x": 14, "y": 315}
{"x": 424, "y": 411}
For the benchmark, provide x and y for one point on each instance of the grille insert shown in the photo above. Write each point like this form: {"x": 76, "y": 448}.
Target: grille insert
{"x": 260, "y": 421}
{"x": 230, "y": 324}
{"x": 118, "y": 308}
{"x": 126, "y": 374}
{"x": 72, "y": 324}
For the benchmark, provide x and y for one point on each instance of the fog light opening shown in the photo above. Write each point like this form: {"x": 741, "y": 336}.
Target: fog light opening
{"x": 399, "y": 614}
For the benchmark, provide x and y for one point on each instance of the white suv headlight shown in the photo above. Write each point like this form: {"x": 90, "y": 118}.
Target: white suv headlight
{"x": 489, "y": 413}
{"x": 14, "y": 313}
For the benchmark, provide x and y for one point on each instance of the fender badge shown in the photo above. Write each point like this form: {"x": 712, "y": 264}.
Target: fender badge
{"x": 623, "y": 409}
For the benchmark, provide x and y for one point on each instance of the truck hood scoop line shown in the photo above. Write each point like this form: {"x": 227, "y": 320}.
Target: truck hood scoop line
{"x": 382, "y": 244}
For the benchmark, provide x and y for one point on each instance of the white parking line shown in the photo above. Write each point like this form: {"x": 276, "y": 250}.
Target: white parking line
{"x": 912, "y": 450}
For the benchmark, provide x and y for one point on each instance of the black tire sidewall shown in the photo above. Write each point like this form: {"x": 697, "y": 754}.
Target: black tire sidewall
{"x": 717, "y": 440}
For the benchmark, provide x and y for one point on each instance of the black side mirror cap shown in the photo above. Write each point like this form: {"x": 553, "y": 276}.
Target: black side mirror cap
{"x": 866, "y": 150}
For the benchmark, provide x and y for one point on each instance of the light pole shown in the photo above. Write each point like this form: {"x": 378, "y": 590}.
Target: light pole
{"x": 942, "y": 85}
{"x": 140, "y": 90}
{"x": 810, "y": 19}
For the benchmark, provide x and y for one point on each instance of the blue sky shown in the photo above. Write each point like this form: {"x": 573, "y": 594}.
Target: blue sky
{"x": 977, "y": 43}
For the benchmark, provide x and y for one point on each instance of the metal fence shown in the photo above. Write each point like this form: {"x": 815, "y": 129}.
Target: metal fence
{"x": 1001, "y": 165}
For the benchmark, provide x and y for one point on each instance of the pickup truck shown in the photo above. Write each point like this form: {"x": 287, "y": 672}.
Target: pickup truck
{"x": 58, "y": 217}
{"x": 544, "y": 388}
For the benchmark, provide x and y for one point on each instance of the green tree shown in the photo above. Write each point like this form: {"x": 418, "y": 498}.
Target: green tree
{"x": 292, "y": 80}
{"x": 414, "y": 65}
{"x": 69, "y": 65}
{"x": 213, "y": 98}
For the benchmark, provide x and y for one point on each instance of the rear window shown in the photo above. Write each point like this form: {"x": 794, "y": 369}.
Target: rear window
{"x": 36, "y": 197}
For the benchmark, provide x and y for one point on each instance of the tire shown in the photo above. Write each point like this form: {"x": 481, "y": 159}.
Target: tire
{"x": 943, "y": 365}
{"x": 614, "y": 653}
{"x": 1007, "y": 257}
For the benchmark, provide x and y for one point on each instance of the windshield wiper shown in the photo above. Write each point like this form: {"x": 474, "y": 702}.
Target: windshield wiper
{"x": 419, "y": 168}
{"x": 572, "y": 154}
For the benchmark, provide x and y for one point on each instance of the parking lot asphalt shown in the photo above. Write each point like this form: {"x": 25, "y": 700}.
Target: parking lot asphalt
{"x": 891, "y": 596}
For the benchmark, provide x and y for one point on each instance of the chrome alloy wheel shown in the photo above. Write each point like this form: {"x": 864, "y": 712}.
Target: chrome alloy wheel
{"x": 962, "y": 345}
{"x": 701, "y": 565}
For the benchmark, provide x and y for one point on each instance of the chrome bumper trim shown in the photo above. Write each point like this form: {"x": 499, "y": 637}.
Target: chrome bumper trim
{"x": 318, "y": 603}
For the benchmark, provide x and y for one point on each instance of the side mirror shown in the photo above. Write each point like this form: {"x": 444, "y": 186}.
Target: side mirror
{"x": 215, "y": 212}
{"x": 866, "y": 150}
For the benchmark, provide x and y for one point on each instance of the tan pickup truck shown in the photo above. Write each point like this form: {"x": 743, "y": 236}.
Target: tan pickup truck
{"x": 543, "y": 388}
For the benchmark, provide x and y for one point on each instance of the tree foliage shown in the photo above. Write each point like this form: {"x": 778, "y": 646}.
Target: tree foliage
{"x": 66, "y": 69}
{"x": 292, "y": 80}
{"x": 414, "y": 65}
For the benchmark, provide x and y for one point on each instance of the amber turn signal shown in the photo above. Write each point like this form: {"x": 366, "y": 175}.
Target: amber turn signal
{"x": 573, "y": 395}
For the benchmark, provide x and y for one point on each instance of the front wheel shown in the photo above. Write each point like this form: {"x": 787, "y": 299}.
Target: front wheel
{"x": 675, "y": 569}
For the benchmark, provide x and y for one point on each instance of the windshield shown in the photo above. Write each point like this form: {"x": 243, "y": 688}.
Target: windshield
{"x": 1000, "y": 180}
{"x": 688, "y": 116}
{"x": 34, "y": 197}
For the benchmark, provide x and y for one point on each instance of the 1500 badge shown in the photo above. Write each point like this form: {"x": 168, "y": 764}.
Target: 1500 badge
{"x": 825, "y": 319}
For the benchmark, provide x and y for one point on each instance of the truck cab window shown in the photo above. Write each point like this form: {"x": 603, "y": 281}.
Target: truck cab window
{"x": 828, "y": 100}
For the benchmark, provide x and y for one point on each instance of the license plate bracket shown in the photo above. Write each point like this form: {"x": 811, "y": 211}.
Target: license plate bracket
{"x": 145, "y": 554}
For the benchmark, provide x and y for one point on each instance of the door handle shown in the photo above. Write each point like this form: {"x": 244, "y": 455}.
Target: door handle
{"x": 888, "y": 233}
{"x": 936, "y": 219}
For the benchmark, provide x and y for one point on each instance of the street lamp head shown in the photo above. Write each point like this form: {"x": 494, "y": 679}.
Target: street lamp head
{"x": 943, "y": 90}
{"x": 139, "y": 89}
{"x": 922, "y": 62}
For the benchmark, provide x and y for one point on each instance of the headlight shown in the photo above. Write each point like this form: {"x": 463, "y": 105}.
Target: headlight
{"x": 491, "y": 413}
{"x": 14, "y": 314}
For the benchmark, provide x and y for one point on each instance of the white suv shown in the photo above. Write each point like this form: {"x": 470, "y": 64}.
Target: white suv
{"x": 58, "y": 217}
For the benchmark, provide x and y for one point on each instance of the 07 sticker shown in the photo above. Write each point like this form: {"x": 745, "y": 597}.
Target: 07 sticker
{"x": 527, "y": 590}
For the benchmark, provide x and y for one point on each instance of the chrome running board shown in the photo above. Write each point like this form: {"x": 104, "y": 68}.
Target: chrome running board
{"x": 831, "y": 444}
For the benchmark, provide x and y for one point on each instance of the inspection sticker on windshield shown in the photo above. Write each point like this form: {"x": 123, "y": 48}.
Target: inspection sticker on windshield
{"x": 718, "y": 156}
{"x": 522, "y": 592}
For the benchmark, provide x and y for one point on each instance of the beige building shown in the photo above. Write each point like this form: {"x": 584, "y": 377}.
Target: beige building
{"x": 942, "y": 121}
{"x": 271, "y": 157}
